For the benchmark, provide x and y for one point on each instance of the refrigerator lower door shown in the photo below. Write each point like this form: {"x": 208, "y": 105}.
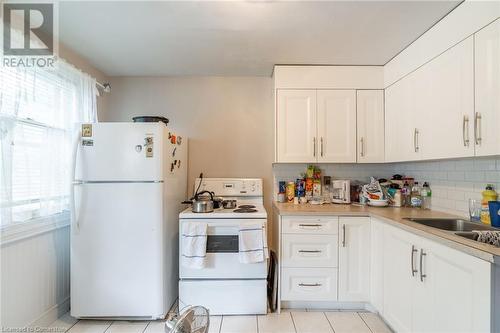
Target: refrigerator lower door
{"x": 118, "y": 259}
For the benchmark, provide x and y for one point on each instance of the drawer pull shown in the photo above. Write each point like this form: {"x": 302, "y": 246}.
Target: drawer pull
{"x": 309, "y": 284}
{"x": 310, "y": 225}
{"x": 309, "y": 251}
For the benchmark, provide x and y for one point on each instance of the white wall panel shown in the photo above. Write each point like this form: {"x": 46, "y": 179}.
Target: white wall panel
{"x": 328, "y": 77}
{"x": 35, "y": 279}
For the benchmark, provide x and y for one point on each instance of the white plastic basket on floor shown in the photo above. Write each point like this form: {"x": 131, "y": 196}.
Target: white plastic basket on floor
{"x": 193, "y": 319}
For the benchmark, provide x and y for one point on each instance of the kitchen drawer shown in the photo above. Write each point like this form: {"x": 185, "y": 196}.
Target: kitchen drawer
{"x": 309, "y": 250}
{"x": 309, "y": 284}
{"x": 309, "y": 225}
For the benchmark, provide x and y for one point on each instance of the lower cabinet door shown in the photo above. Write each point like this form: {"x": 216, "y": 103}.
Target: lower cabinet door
{"x": 459, "y": 291}
{"x": 309, "y": 284}
{"x": 400, "y": 273}
{"x": 354, "y": 259}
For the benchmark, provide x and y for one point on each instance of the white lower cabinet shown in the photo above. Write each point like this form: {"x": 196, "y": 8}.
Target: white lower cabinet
{"x": 317, "y": 284}
{"x": 416, "y": 284}
{"x": 309, "y": 258}
{"x": 354, "y": 259}
{"x": 377, "y": 265}
{"x": 310, "y": 250}
{"x": 429, "y": 287}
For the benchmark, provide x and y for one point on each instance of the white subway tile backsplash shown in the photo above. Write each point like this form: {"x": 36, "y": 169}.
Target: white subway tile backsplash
{"x": 456, "y": 175}
{"x": 474, "y": 176}
{"x": 453, "y": 182}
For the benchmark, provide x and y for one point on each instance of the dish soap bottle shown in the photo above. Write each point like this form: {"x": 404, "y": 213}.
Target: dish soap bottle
{"x": 426, "y": 196}
{"x": 488, "y": 195}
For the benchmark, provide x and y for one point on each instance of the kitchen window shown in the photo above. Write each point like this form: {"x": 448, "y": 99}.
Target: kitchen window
{"x": 39, "y": 109}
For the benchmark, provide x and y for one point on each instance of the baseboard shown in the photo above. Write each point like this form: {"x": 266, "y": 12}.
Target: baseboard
{"x": 52, "y": 314}
{"x": 324, "y": 305}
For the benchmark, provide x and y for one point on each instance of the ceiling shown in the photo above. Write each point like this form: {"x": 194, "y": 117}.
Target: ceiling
{"x": 229, "y": 38}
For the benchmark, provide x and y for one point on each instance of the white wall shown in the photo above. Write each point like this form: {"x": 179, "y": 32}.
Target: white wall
{"x": 229, "y": 120}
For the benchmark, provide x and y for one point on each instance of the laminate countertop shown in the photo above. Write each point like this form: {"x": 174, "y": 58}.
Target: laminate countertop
{"x": 396, "y": 217}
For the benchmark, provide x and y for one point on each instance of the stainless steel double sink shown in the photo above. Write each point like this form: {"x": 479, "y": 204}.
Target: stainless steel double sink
{"x": 459, "y": 227}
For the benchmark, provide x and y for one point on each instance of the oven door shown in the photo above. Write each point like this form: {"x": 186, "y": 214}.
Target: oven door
{"x": 222, "y": 253}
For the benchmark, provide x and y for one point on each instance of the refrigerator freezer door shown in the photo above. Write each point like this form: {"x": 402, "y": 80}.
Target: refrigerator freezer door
{"x": 121, "y": 152}
{"x": 117, "y": 251}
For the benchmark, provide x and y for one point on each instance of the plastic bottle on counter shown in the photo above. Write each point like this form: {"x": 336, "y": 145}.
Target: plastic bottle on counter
{"x": 489, "y": 194}
{"x": 416, "y": 196}
{"x": 405, "y": 193}
{"x": 426, "y": 196}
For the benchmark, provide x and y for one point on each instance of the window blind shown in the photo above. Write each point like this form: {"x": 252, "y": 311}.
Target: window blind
{"x": 38, "y": 112}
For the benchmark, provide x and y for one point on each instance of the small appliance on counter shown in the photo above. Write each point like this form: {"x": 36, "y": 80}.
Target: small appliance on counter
{"x": 341, "y": 191}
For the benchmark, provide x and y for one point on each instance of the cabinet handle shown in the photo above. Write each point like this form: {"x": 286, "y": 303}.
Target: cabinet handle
{"x": 478, "y": 122}
{"x": 412, "y": 255}
{"x": 309, "y": 251}
{"x": 465, "y": 131}
{"x": 415, "y": 140}
{"x": 343, "y": 235}
{"x": 422, "y": 275}
{"x": 310, "y": 225}
{"x": 321, "y": 146}
{"x": 314, "y": 147}
{"x": 310, "y": 284}
{"x": 362, "y": 142}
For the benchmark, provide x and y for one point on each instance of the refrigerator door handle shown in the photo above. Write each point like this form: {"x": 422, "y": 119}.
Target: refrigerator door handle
{"x": 72, "y": 204}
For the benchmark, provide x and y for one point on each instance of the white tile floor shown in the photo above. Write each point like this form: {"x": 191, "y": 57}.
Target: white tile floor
{"x": 289, "y": 321}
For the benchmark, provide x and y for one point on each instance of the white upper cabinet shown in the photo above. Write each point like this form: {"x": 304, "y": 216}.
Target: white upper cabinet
{"x": 316, "y": 126}
{"x": 429, "y": 113}
{"x": 316, "y": 113}
{"x": 336, "y": 126}
{"x": 487, "y": 90}
{"x": 354, "y": 259}
{"x": 296, "y": 126}
{"x": 370, "y": 126}
{"x": 446, "y": 88}
{"x": 401, "y": 122}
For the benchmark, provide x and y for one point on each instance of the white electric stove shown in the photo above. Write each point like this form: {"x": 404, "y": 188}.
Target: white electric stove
{"x": 226, "y": 286}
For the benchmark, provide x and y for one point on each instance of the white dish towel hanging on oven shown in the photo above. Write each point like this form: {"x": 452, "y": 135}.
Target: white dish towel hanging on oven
{"x": 194, "y": 244}
{"x": 252, "y": 241}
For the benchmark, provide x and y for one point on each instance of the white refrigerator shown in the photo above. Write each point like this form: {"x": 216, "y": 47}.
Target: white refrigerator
{"x": 129, "y": 182}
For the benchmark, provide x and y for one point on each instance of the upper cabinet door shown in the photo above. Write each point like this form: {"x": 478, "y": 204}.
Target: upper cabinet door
{"x": 370, "y": 126}
{"x": 296, "y": 126}
{"x": 487, "y": 84}
{"x": 446, "y": 89}
{"x": 336, "y": 126}
{"x": 402, "y": 130}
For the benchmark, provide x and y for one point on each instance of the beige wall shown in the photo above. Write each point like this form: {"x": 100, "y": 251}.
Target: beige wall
{"x": 83, "y": 65}
{"x": 229, "y": 120}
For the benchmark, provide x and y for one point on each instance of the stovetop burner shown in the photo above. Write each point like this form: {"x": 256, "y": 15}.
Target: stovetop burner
{"x": 245, "y": 210}
{"x": 246, "y": 206}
